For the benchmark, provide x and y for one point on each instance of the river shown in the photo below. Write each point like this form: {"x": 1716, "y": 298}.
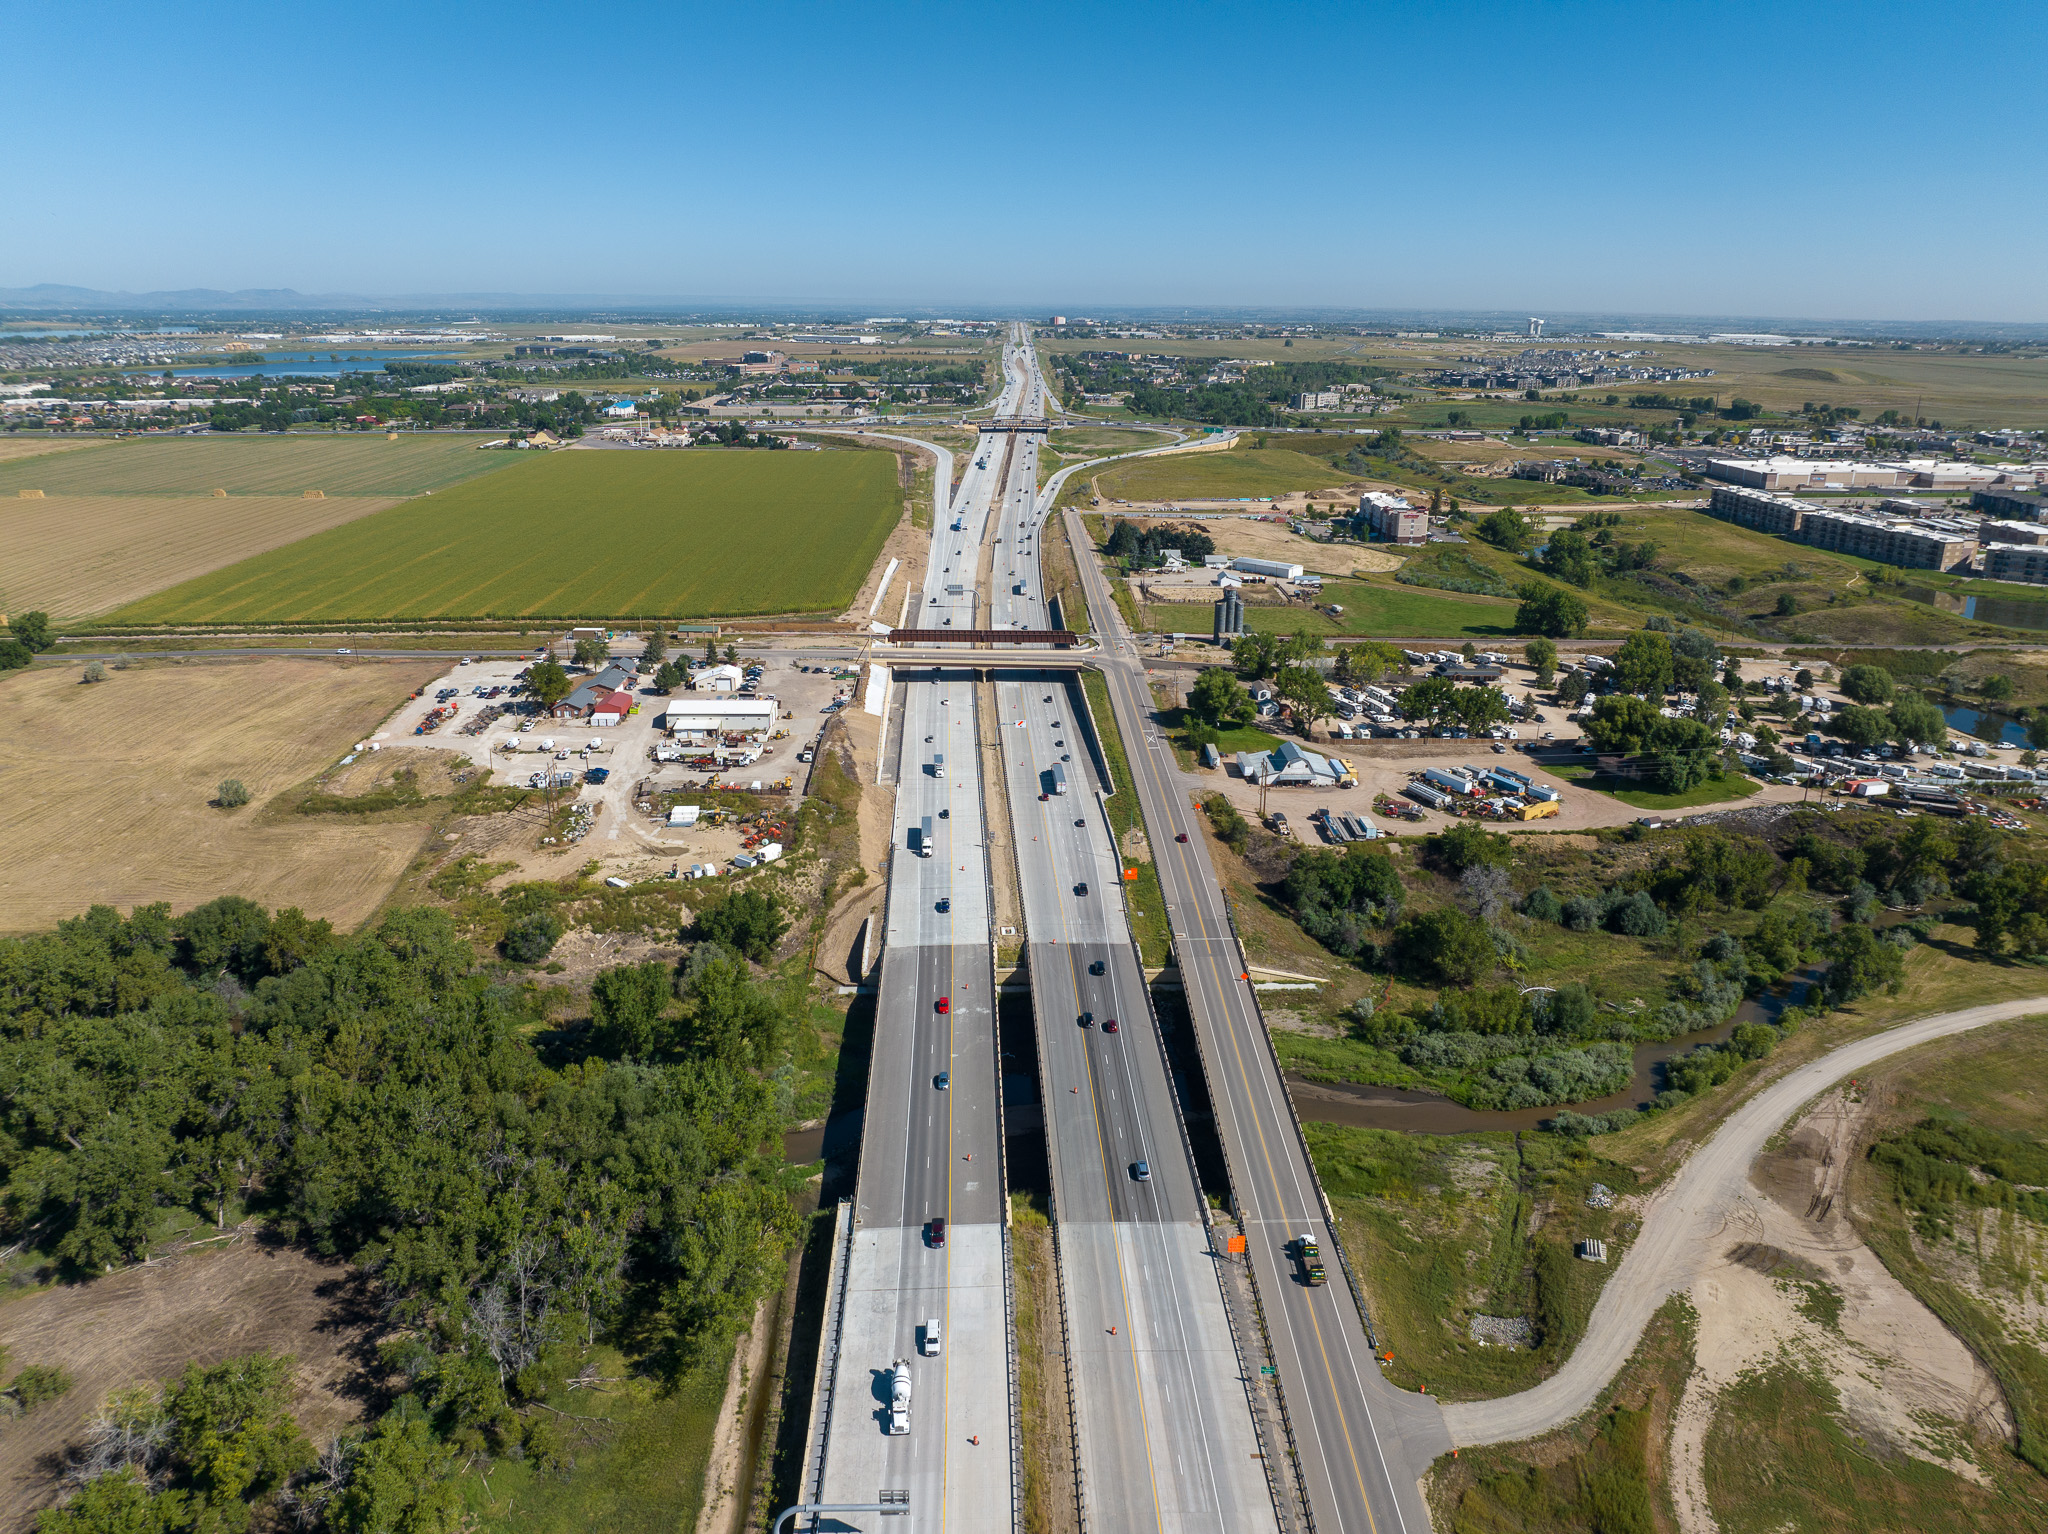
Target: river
{"x": 2013, "y": 612}
{"x": 1422, "y": 1112}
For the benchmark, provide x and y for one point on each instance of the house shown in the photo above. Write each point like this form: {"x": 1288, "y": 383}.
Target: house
{"x": 716, "y": 679}
{"x": 612, "y": 708}
{"x": 589, "y": 693}
{"x": 622, "y": 410}
{"x": 1287, "y": 763}
{"x": 541, "y": 438}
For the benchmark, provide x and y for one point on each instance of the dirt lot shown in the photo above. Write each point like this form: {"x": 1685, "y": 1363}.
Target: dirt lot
{"x": 147, "y": 1323}
{"x": 73, "y": 555}
{"x": 12, "y": 448}
{"x": 108, "y": 788}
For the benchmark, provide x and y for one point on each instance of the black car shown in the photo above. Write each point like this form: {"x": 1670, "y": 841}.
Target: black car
{"x": 1087, "y": 1019}
{"x": 1096, "y": 968}
{"x": 1081, "y": 888}
{"x": 945, "y": 904}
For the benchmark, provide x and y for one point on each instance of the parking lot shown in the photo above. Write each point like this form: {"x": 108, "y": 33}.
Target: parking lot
{"x": 479, "y": 709}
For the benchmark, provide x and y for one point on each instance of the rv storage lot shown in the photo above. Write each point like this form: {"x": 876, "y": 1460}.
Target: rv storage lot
{"x": 580, "y": 534}
{"x": 108, "y": 787}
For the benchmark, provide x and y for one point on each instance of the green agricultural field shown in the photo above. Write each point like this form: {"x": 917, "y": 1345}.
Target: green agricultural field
{"x": 336, "y": 463}
{"x": 1219, "y": 475}
{"x": 580, "y": 534}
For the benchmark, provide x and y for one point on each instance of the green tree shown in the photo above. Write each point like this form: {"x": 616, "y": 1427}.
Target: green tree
{"x": 1861, "y": 726}
{"x": 1996, "y": 688}
{"x": 1690, "y": 674}
{"x": 14, "y": 655}
{"x": 233, "y": 1434}
{"x": 1867, "y": 684}
{"x": 1445, "y": 946}
{"x": 232, "y": 794}
{"x": 1788, "y": 604}
{"x": 1306, "y": 693}
{"x": 1551, "y": 611}
{"x": 119, "y": 1502}
{"x": 1478, "y": 707}
{"x": 33, "y": 629}
{"x": 548, "y": 683}
{"x": 668, "y": 676}
{"x": 628, "y": 1007}
{"x": 748, "y": 922}
{"x": 1433, "y": 698}
{"x": 1256, "y": 655}
{"x": 656, "y": 649}
{"x": 1470, "y": 845}
{"x": 591, "y": 651}
{"x": 732, "y": 1019}
{"x": 36, "y": 1384}
{"x": 399, "y": 1480}
{"x": 1863, "y": 962}
{"x": 1569, "y": 557}
{"x": 1914, "y": 718}
{"x": 1505, "y": 529}
{"x": 1644, "y": 663}
{"x": 1541, "y": 654}
{"x": 1217, "y": 699}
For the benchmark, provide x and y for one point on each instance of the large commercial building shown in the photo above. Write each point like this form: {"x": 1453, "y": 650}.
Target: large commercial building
{"x": 1807, "y": 474}
{"x": 1759, "y": 509}
{"x": 2016, "y": 562}
{"x": 1389, "y": 519}
{"x": 1893, "y": 543}
{"x": 1278, "y": 569}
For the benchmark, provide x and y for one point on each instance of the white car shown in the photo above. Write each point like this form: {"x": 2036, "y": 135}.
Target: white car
{"x": 344, "y": 651}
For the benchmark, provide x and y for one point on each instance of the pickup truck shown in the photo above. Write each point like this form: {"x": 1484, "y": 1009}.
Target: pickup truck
{"x": 1311, "y": 1259}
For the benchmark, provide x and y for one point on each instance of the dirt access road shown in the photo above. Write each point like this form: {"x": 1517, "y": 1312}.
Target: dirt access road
{"x": 1686, "y": 1227}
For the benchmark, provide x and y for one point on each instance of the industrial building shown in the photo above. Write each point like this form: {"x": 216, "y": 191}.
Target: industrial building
{"x": 1279, "y": 570}
{"x": 717, "y": 716}
{"x": 1390, "y": 519}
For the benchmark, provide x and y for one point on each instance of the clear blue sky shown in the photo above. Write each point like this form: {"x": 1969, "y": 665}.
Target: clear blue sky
{"x": 1858, "y": 161}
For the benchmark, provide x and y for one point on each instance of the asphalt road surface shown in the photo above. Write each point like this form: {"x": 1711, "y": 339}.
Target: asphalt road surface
{"x": 1362, "y": 1446}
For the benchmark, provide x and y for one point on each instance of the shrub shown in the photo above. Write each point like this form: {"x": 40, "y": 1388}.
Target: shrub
{"x": 1582, "y": 913}
{"x": 1638, "y": 916}
{"x": 232, "y": 794}
{"x": 96, "y": 672}
{"x": 532, "y": 938}
{"x": 1469, "y": 844}
{"x": 38, "y": 1383}
{"x": 1540, "y": 905}
{"x": 749, "y": 922}
{"x": 1445, "y": 946}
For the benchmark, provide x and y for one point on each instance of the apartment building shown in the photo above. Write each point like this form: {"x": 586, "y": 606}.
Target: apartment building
{"x": 1894, "y": 543}
{"x": 2016, "y": 562}
{"x": 1759, "y": 509}
{"x": 1389, "y": 519}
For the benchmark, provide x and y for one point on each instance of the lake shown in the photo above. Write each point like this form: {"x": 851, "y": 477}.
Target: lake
{"x": 308, "y": 364}
{"x": 1978, "y": 725}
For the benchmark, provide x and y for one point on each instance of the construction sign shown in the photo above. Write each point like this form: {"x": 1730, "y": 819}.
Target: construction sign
{"x": 1234, "y": 1244}
{"x": 1130, "y": 875}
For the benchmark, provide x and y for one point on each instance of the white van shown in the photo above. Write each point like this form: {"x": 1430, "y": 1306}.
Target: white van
{"x": 929, "y": 1343}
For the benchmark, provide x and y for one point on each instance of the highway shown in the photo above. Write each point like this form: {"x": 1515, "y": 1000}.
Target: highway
{"x": 931, "y": 1144}
{"x": 1165, "y": 1436}
{"x": 1361, "y": 1445}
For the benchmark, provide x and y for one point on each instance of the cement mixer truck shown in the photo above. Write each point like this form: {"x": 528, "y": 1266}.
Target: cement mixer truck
{"x": 899, "y": 1397}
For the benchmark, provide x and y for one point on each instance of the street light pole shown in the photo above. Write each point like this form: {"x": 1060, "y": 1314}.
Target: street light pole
{"x": 894, "y": 1504}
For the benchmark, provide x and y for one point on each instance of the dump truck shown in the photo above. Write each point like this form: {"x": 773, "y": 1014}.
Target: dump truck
{"x": 899, "y": 1397}
{"x": 1310, "y": 1257}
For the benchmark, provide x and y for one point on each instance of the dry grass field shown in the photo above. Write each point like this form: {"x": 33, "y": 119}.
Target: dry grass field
{"x": 105, "y": 790}
{"x": 335, "y": 463}
{"x": 77, "y": 555}
{"x": 146, "y": 1323}
{"x": 12, "y": 448}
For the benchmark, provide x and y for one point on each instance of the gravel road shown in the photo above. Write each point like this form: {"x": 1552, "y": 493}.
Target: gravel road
{"x": 1685, "y": 1229}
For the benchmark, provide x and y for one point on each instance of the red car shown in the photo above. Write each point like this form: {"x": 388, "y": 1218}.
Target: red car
{"x": 1110, "y": 1026}
{"x": 1182, "y": 837}
{"x": 938, "y": 1232}
{"x": 945, "y": 1005}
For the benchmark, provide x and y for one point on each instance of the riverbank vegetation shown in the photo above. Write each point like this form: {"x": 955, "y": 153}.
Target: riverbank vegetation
{"x": 1520, "y": 972}
{"x": 531, "y": 1197}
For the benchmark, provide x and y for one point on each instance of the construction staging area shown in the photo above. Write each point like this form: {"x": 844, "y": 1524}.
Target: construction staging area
{"x": 916, "y": 1400}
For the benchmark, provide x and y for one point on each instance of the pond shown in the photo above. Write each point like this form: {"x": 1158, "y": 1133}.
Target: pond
{"x": 307, "y": 364}
{"x": 1431, "y": 1113}
{"x": 1980, "y": 725}
{"x": 2015, "y": 612}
